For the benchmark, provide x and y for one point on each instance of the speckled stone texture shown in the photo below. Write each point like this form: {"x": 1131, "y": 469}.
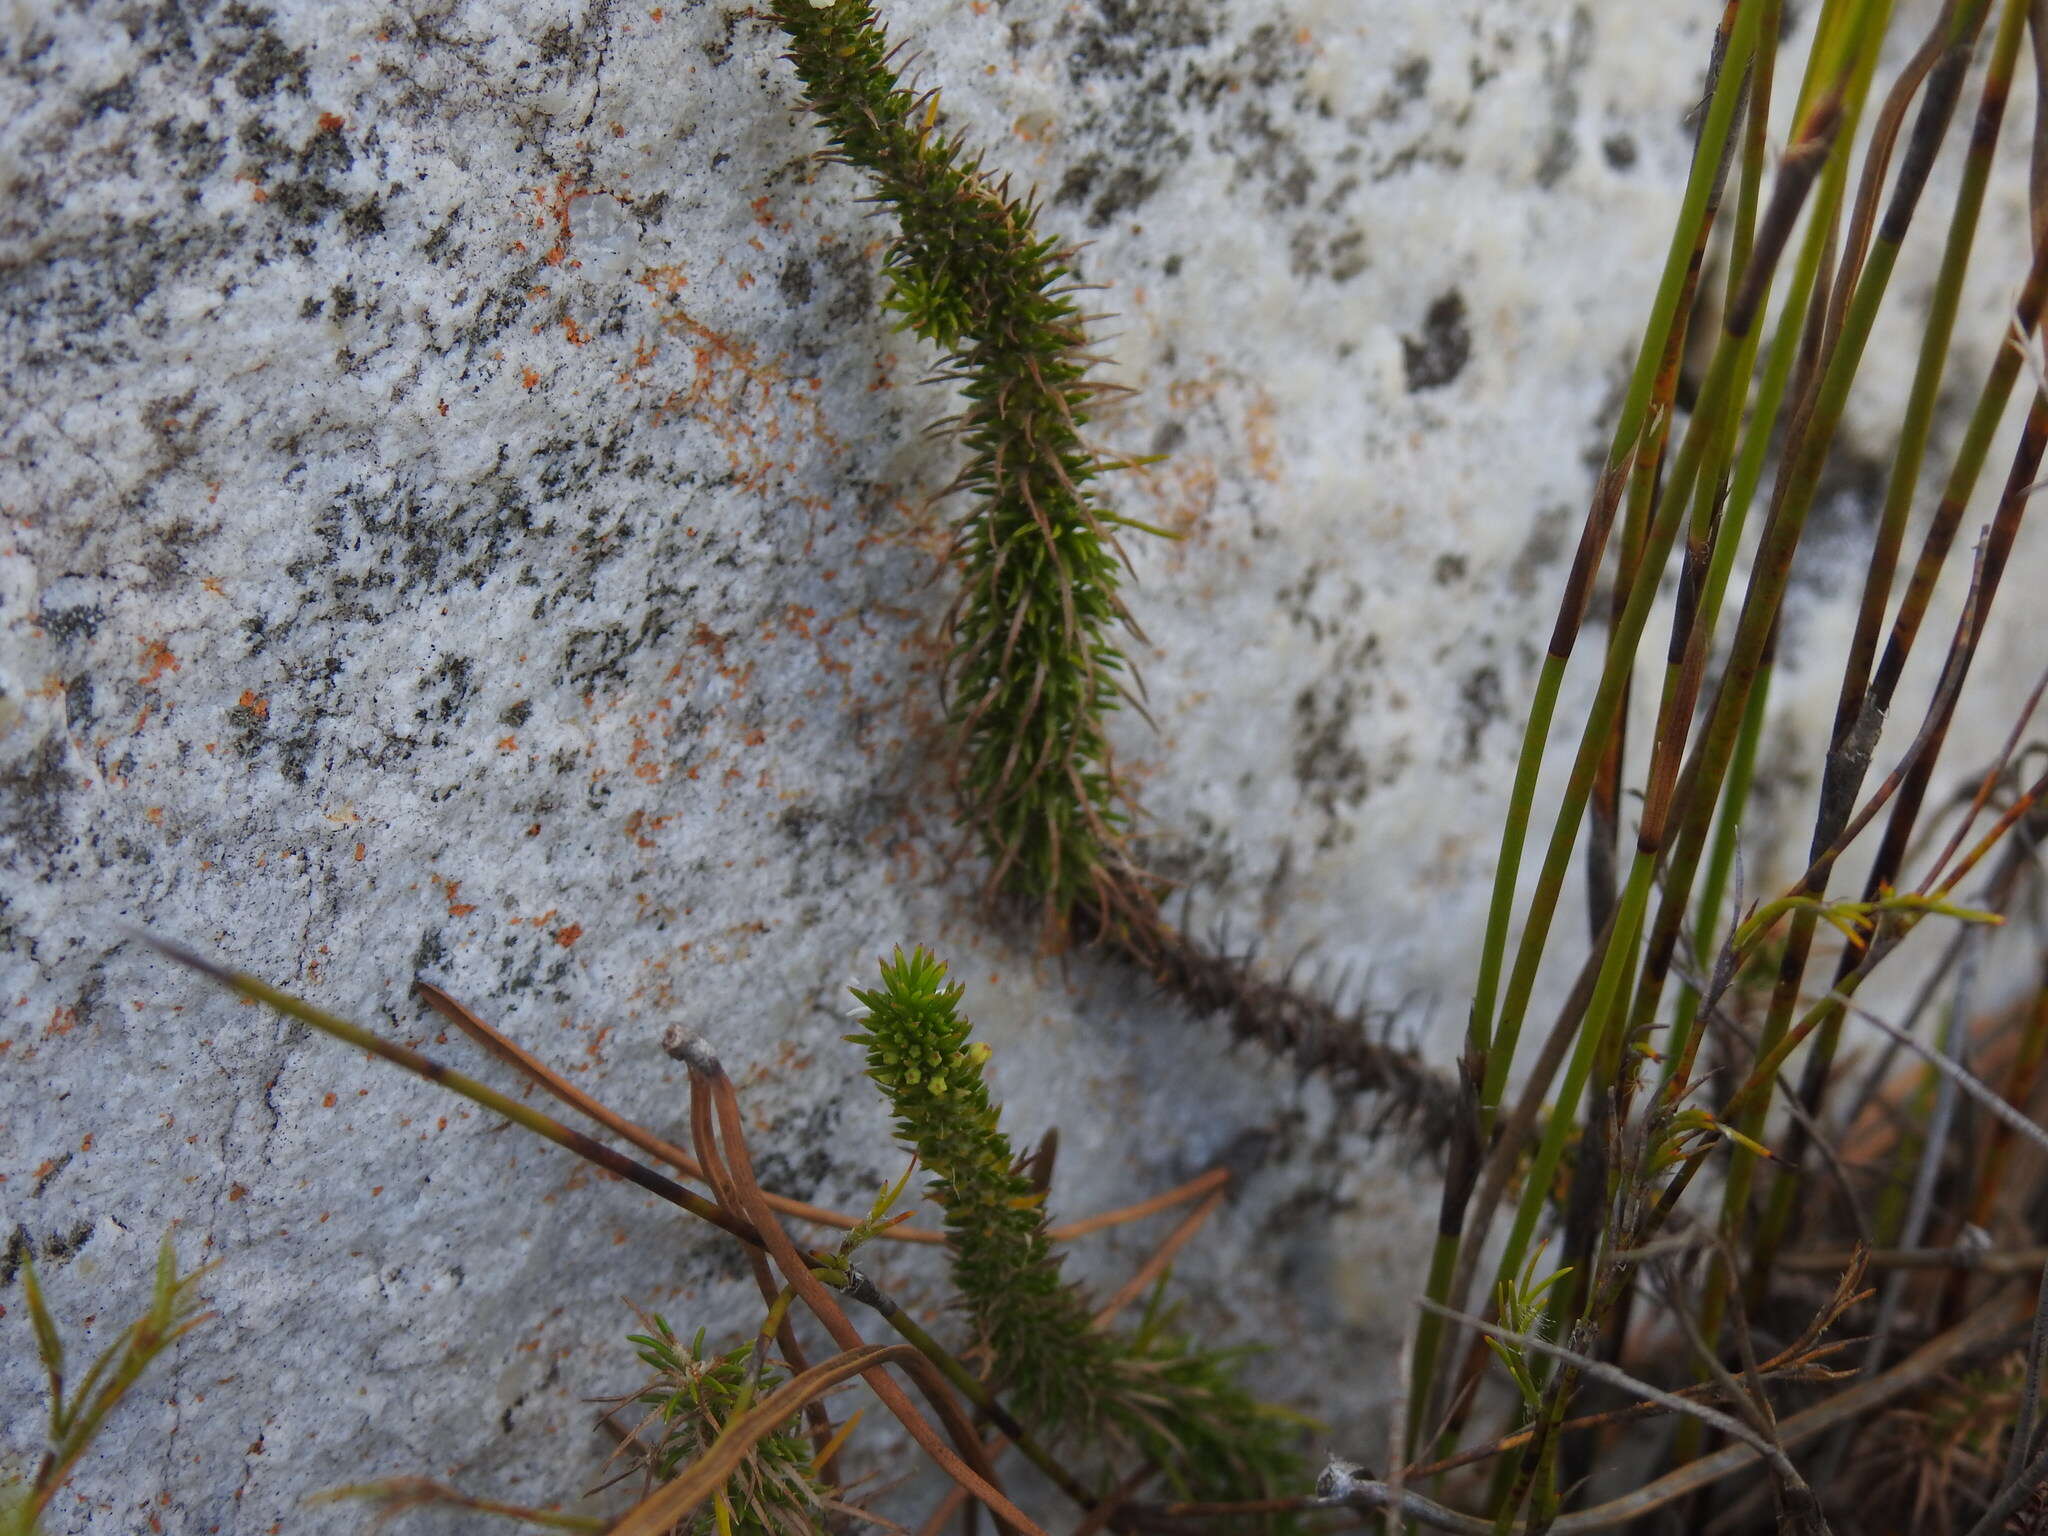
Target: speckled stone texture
{"x": 465, "y": 514}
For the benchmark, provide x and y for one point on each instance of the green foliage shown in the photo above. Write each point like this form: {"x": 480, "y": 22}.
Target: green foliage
{"x": 1034, "y": 665}
{"x": 77, "y": 1415}
{"x": 1189, "y": 1414}
{"x": 1180, "y": 1405}
{"x": 690, "y": 1399}
{"x": 1523, "y": 1309}
{"x": 1051, "y": 1367}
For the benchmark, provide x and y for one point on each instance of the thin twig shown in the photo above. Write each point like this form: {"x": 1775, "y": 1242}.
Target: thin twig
{"x": 546, "y": 1078}
{"x": 1984, "y": 1326}
{"x": 1965, "y": 1079}
{"x": 1990, "y": 1261}
{"x": 1614, "y": 1376}
{"x": 1162, "y": 1257}
{"x": 2023, "y": 1421}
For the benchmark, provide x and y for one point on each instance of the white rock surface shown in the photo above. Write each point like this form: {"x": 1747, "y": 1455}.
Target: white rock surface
{"x": 464, "y": 513}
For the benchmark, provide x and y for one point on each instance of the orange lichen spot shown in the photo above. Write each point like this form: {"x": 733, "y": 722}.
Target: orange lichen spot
{"x": 1260, "y": 440}
{"x": 256, "y": 704}
{"x": 157, "y": 659}
{"x": 237, "y": 1191}
{"x": 555, "y": 203}
{"x": 618, "y": 130}
{"x": 569, "y": 935}
{"x": 754, "y": 738}
{"x": 212, "y": 584}
{"x": 441, "y": 406}
{"x": 330, "y": 122}
{"x": 656, "y": 14}
{"x": 528, "y": 378}
{"x": 448, "y": 889}
{"x": 361, "y": 849}
{"x": 154, "y": 815}
{"x": 508, "y": 743}
{"x": 573, "y": 331}
{"x": 62, "y": 1021}
{"x": 327, "y": 1101}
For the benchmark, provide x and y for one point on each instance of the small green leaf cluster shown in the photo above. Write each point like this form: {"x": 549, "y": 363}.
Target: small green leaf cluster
{"x": 1034, "y": 665}
{"x": 691, "y": 1398}
{"x": 1050, "y": 1366}
{"x": 1524, "y": 1308}
{"x": 76, "y": 1416}
{"x": 1180, "y": 1405}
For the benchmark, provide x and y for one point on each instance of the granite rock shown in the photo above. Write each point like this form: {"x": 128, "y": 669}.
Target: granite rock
{"x": 465, "y": 515}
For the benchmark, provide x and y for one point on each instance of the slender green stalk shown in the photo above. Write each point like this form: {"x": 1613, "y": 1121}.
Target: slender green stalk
{"x": 1851, "y": 746}
{"x": 1709, "y": 161}
{"x": 1720, "y": 864}
{"x": 1491, "y": 1052}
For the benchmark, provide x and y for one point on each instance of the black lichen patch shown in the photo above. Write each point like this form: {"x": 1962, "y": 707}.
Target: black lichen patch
{"x": 60, "y": 1247}
{"x": 75, "y": 624}
{"x": 1440, "y": 352}
{"x": 1109, "y": 190}
{"x": 1566, "y": 63}
{"x": 19, "y": 1247}
{"x": 34, "y": 788}
{"x": 599, "y": 654}
{"x": 449, "y": 686}
{"x": 794, "y": 284}
{"x": 250, "y": 53}
{"x": 1481, "y": 701}
{"x": 1123, "y": 39}
{"x": 1328, "y": 766}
